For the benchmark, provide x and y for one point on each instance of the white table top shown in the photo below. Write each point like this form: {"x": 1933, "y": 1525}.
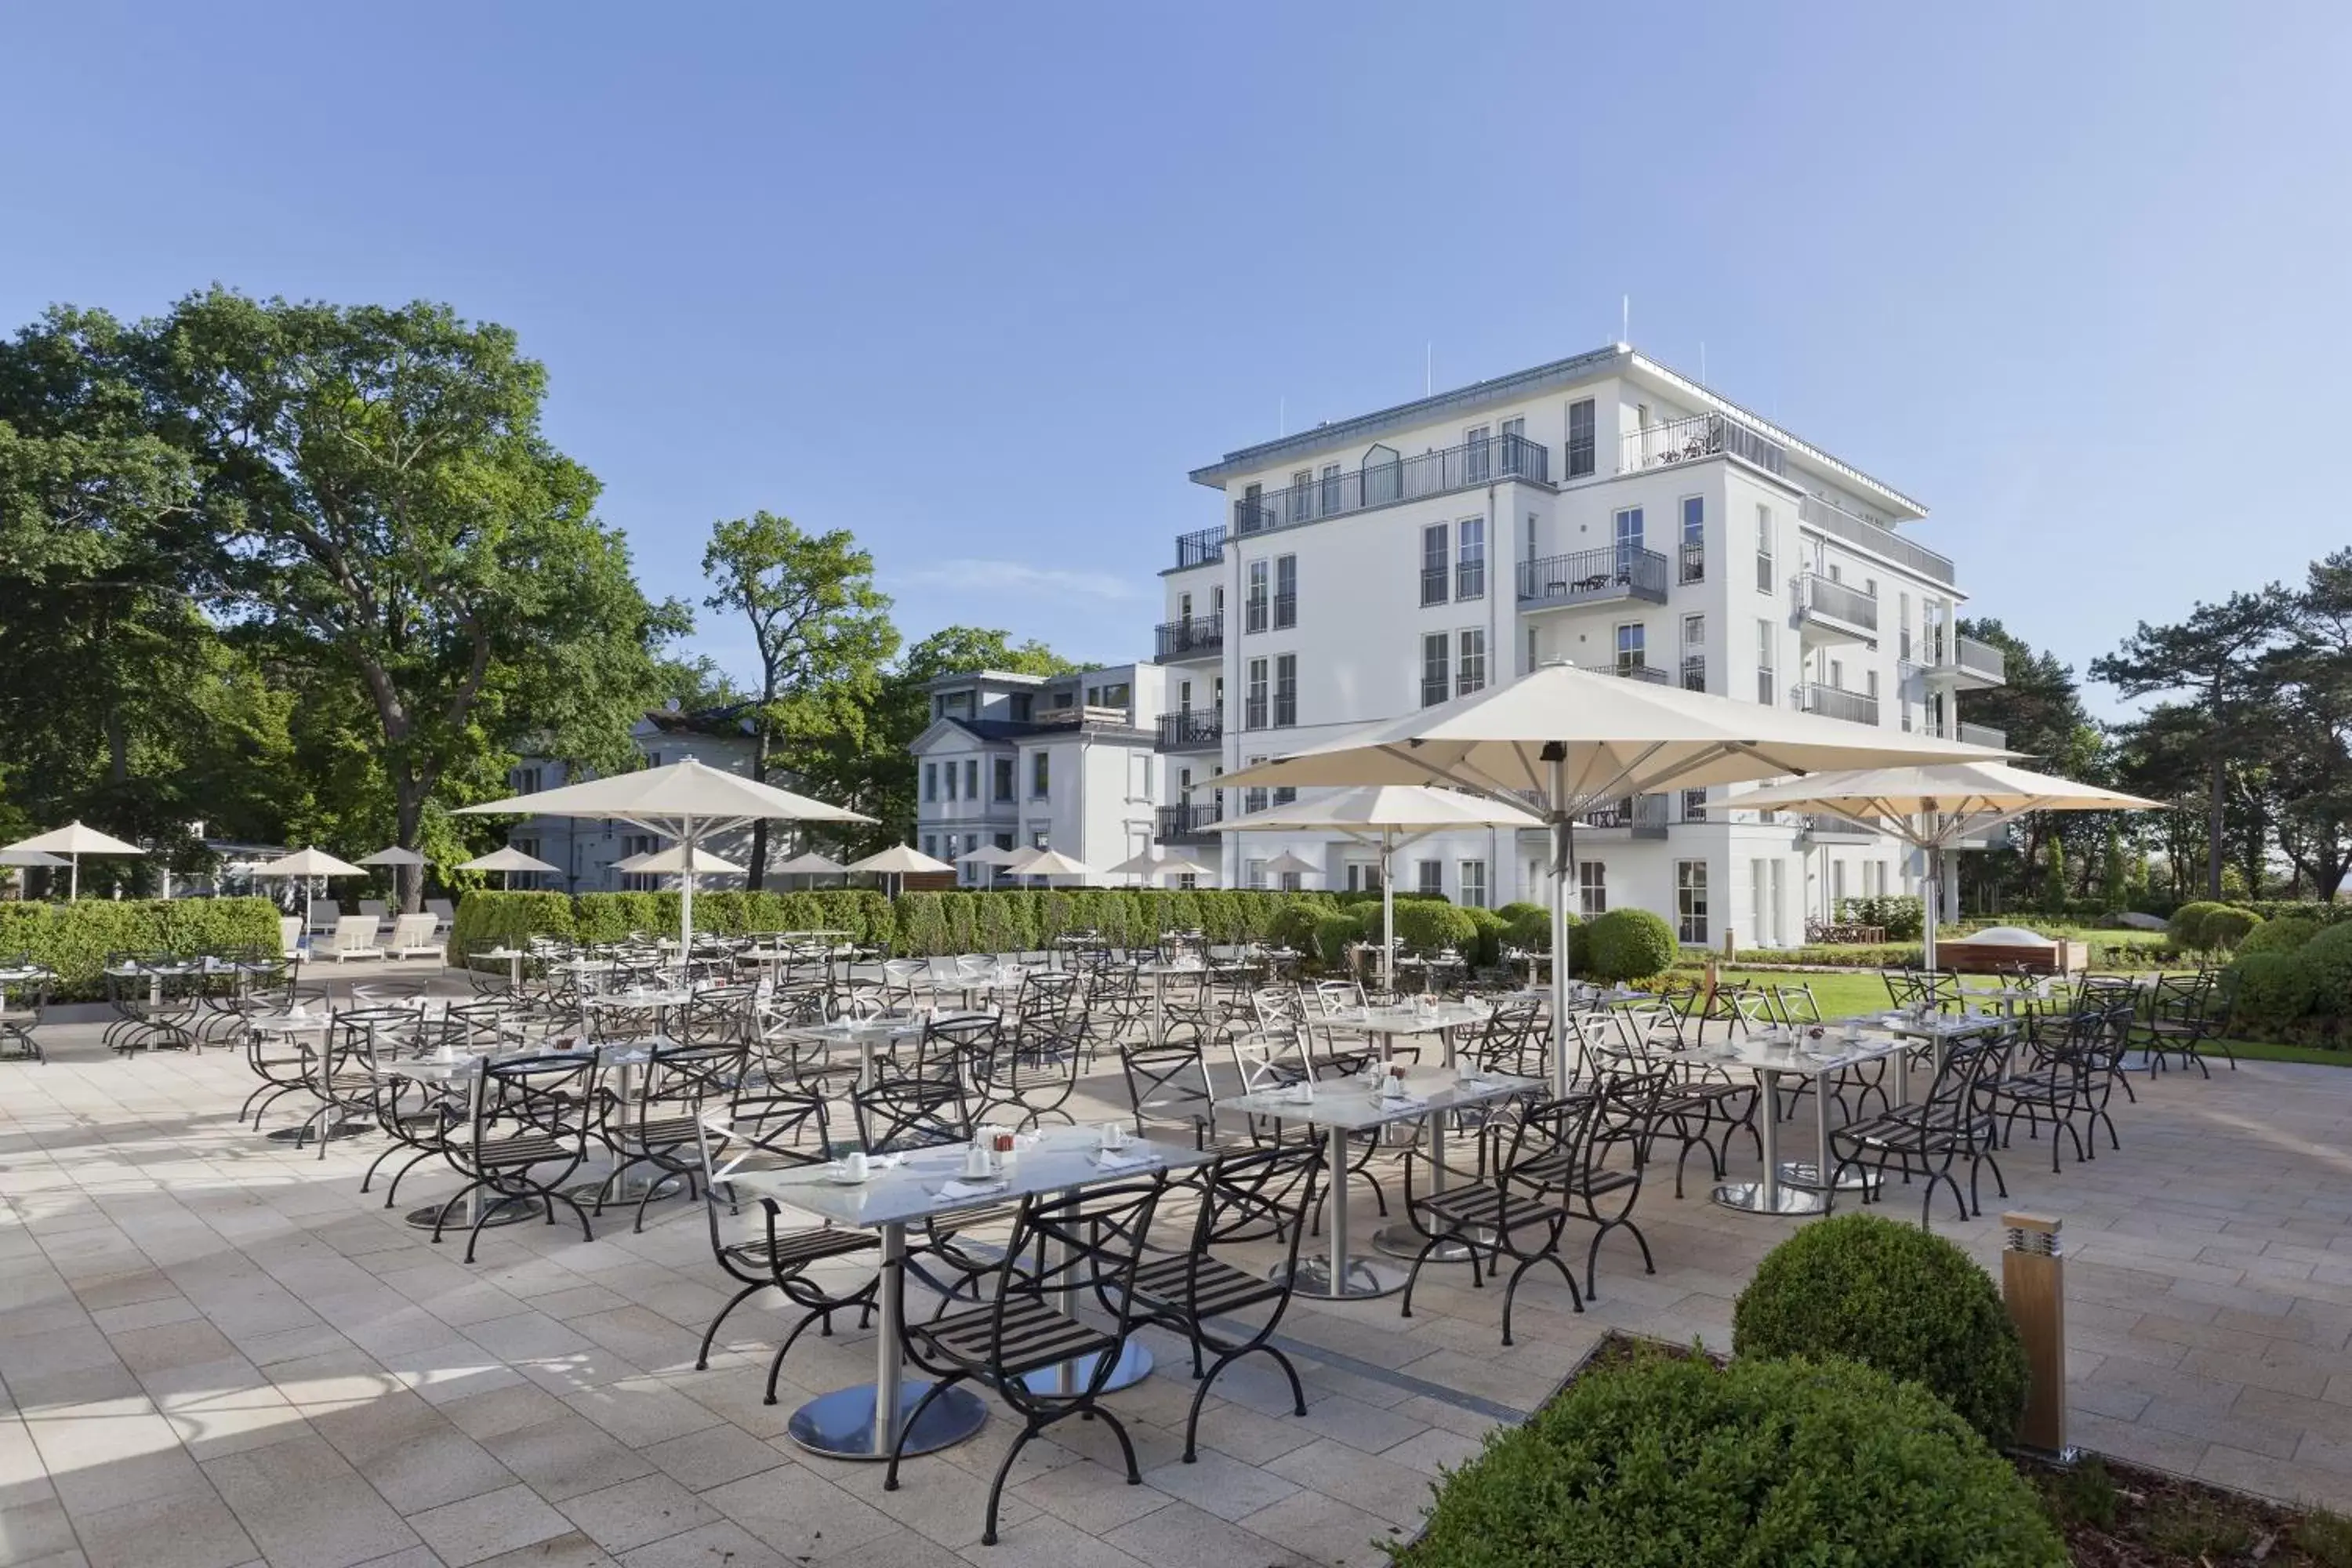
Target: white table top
{"x": 441, "y": 1069}
{"x": 1406, "y": 1020}
{"x": 1798, "y": 1052}
{"x": 1941, "y": 1026}
{"x": 912, "y": 1189}
{"x": 1351, "y": 1103}
{"x": 641, "y": 999}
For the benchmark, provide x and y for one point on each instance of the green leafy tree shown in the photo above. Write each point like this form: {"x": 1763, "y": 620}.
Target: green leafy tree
{"x": 822, "y": 633}
{"x": 392, "y": 520}
{"x": 2219, "y": 656}
{"x": 904, "y": 710}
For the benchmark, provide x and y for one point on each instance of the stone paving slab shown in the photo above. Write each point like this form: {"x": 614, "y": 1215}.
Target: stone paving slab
{"x": 214, "y": 1351}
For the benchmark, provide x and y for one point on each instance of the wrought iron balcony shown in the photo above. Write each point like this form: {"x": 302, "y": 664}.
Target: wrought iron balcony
{"x": 1190, "y": 730}
{"x": 1965, "y": 663}
{"x": 1593, "y": 577}
{"x": 1694, "y": 672}
{"x": 1822, "y": 826}
{"x": 1632, "y": 669}
{"x": 1386, "y": 479}
{"x": 1700, "y": 435}
{"x": 1186, "y": 824}
{"x": 1203, "y": 547}
{"x": 1836, "y": 703}
{"x": 1833, "y": 519}
{"x": 1201, "y": 637}
{"x": 1645, "y": 815}
{"x": 1827, "y": 604}
{"x": 1693, "y": 559}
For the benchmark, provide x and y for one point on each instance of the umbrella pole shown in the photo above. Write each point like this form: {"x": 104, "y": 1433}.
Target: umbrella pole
{"x": 1388, "y": 912}
{"x": 1935, "y": 894}
{"x": 73, "y": 891}
{"x": 1558, "y": 756}
{"x": 685, "y": 891}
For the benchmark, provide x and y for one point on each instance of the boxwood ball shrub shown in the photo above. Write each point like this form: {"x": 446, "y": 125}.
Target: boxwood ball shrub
{"x": 1425, "y": 926}
{"x": 1487, "y": 947}
{"x": 1629, "y": 945}
{"x": 2187, "y": 926}
{"x": 2269, "y": 988}
{"x": 1673, "y": 1463}
{"x": 2328, "y": 958}
{"x": 2226, "y": 927}
{"x": 1892, "y": 1297}
{"x": 2285, "y": 934}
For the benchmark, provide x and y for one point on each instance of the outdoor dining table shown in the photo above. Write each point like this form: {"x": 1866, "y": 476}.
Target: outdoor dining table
{"x": 1343, "y": 1106}
{"x": 512, "y": 957}
{"x": 1938, "y": 1029}
{"x": 1792, "y": 1187}
{"x": 867, "y": 1035}
{"x": 862, "y": 1422}
{"x": 1157, "y": 970}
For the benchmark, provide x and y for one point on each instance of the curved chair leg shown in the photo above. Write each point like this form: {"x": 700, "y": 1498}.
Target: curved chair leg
{"x": 711, "y": 1334}
{"x": 899, "y": 1448}
{"x": 996, "y": 1486}
{"x": 776, "y": 1366}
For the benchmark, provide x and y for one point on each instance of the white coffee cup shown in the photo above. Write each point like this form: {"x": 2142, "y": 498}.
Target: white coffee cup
{"x": 1114, "y": 1135}
{"x": 975, "y": 1161}
{"x": 855, "y": 1166}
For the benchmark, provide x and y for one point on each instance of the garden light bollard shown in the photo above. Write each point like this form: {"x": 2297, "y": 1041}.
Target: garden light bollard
{"x": 2034, "y": 1284}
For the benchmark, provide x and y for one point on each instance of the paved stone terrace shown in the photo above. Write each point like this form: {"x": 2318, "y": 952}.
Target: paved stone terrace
{"x": 213, "y": 1351}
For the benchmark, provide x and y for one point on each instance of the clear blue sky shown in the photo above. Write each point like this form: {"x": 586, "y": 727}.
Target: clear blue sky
{"x": 982, "y": 282}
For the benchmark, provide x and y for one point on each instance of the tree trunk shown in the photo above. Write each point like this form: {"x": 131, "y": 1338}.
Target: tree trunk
{"x": 2213, "y": 856}
{"x": 408, "y": 814}
{"x": 756, "y": 874}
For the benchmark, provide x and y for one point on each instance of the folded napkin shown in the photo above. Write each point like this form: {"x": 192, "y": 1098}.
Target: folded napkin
{"x": 970, "y": 1189}
{"x": 1122, "y": 1159}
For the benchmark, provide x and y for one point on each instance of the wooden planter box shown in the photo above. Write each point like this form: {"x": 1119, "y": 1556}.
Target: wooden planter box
{"x": 1984, "y": 958}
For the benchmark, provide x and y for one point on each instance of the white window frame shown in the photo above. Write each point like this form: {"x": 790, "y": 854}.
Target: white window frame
{"x": 1691, "y": 910}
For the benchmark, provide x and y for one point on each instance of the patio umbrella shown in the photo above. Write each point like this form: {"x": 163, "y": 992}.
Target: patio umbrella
{"x": 1151, "y": 864}
{"x": 688, "y": 801}
{"x": 32, "y": 859}
{"x": 507, "y": 861}
{"x": 1385, "y": 816}
{"x": 897, "y": 861}
{"x": 73, "y": 841}
{"x": 1934, "y": 808}
{"x": 672, "y": 861}
{"x": 312, "y": 863}
{"x": 994, "y": 856}
{"x": 1289, "y": 863}
{"x": 1049, "y": 864}
{"x": 1562, "y": 740}
{"x": 809, "y": 863}
{"x": 392, "y": 854}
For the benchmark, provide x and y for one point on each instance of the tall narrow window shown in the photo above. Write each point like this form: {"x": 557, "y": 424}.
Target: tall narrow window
{"x": 1690, "y": 902}
{"x": 1693, "y": 653}
{"x": 1429, "y": 878}
{"x": 1040, "y": 773}
{"x": 1004, "y": 778}
{"x": 1764, "y": 662}
{"x": 1633, "y": 652}
{"x": 1433, "y": 687}
{"x": 1331, "y": 488}
{"x": 972, "y": 778}
{"x": 1592, "y": 887}
{"x": 1470, "y": 881}
{"x": 1629, "y": 540}
{"x": 1903, "y": 626}
{"x": 1285, "y": 690}
{"x": 1253, "y": 799}
{"x": 1433, "y": 563}
{"x": 1470, "y": 670}
{"x": 1254, "y": 701}
{"x": 1580, "y": 439}
{"x": 1286, "y": 592}
{"x": 1693, "y": 540}
{"x": 1477, "y": 459}
{"x": 930, "y": 781}
{"x": 1514, "y": 456}
{"x": 1302, "y": 495}
{"x": 1764, "y": 573}
{"x": 1470, "y": 567}
{"x": 952, "y": 780}
{"x": 1254, "y": 606}
{"x": 1535, "y": 649}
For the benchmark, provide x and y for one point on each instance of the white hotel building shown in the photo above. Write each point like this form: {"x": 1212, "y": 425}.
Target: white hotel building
{"x": 1601, "y": 510}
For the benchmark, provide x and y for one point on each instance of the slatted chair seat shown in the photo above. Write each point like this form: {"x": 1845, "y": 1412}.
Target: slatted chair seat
{"x": 1035, "y": 1336}
{"x": 1482, "y": 1207}
{"x": 799, "y": 1248}
{"x": 1219, "y": 1287}
{"x": 524, "y": 1148}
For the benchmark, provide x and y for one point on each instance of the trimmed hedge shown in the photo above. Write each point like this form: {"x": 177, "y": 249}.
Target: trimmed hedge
{"x": 1893, "y": 1297}
{"x": 2267, "y": 989}
{"x": 1668, "y": 1462}
{"x": 74, "y": 939}
{"x": 1628, "y": 945}
{"x": 2285, "y": 934}
{"x": 1009, "y": 920}
{"x": 2186, "y": 927}
{"x": 2225, "y": 928}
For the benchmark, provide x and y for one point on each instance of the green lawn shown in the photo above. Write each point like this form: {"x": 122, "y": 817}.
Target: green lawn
{"x": 1843, "y": 995}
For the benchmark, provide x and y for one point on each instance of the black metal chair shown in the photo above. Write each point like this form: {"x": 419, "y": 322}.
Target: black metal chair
{"x": 2179, "y": 1022}
{"x": 1930, "y": 1137}
{"x": 2076, "y": 1063}
{"x": 1514, "y": 1209}
{"x": 1031, "y": 1065}
{"x": 1248, "y": 1195}
{"x": 23, "y": 1001}
{"x": 1081, "y": 1243}
{"x": 531, "y": 1115}
{"x": 772, "y": 1130}
{"x": 658, "y": 1122}
{"x": 923, "y": 1104}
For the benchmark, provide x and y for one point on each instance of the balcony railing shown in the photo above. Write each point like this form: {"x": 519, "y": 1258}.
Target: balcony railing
{"x": 1190, "y": 730}
{"x": 1700, "y": 435}
{"x": 1183, "y": 824}
{"x": 1632, "y": 669}
{"x": 1592, "y": 576}
{"x": 1386, "y": 481}
{"x": 1089, "y": 716}
{"x": 1646, "y": 815}
{"x": 1286, "y": 611}
{"x": 1693, "y": 559}
{"x": 1834, "y": 519}
{"x": 1821, "y": 596}
{"x": 1984, "y": 735}
{"x": 1977, "y": 658}
{"x": 1695, "y": 673}
{"x": 1820, "y": 824}
{"x": 1193, "y": 638}
{"x": 1836, "y": 703}
{"x": 1204, "y": 547}
{"x": 1435, "y": 690}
